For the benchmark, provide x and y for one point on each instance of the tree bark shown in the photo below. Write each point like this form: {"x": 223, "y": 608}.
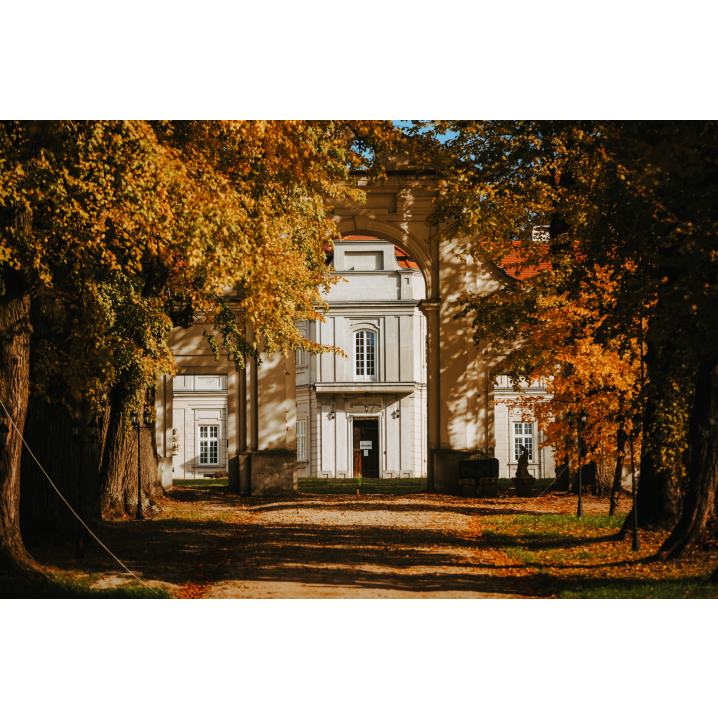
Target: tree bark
{"x": 118, "y": 481}
{"x": 659, "y": 490}
{"x": 700, "y": 487}
{"x": 618, "y": 472}
{"x": 15, "y": 330}
{"x": 598, "y": 477}
{"x": 562, "y": 482}
{"x": 604, "y": 478}
{"x": 72, "y": 463}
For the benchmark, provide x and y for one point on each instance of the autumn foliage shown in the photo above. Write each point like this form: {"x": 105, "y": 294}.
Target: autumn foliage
{"x": 112, "y": 233}
{"x": 564, "y": 348}
{"x": 631, "y": 232}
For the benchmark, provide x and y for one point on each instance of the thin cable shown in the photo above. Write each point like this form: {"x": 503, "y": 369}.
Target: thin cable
{"x": 70, "y": 507}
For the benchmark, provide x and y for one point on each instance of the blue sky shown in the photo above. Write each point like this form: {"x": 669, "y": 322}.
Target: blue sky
{"x": 408, "y": 123}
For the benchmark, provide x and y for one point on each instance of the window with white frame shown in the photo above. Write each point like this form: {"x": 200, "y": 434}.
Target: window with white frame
{"x": 365, "y": 356}
{"x": 523, "y": 436}
{"x": 299, "y": 354}
{"x": 540, "y": 233}
{"x": 302, "y": 440}
{"x": 208, "y": 445}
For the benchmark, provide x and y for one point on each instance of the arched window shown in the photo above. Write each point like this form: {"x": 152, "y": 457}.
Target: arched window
{"x": 365, "y": 356}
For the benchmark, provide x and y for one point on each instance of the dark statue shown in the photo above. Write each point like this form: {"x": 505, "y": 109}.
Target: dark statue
{"x": 522, "y": 470}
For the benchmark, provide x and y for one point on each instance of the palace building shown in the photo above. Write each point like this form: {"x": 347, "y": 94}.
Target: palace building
{"x": 363, "y": 414}
{"x": 410, "y": 397}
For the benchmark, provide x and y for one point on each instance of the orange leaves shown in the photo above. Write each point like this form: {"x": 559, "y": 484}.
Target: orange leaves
{"x": 564, "y": 344}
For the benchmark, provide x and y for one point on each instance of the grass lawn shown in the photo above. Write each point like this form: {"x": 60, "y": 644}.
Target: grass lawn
{"x": 575, "y": 557}
{"x": 384, "y": 486}
{"x": 200, "y": 483}
{"x": 350, "y": 486}
{"x": 365, "y": 486}
{"x": 59, "y": 586}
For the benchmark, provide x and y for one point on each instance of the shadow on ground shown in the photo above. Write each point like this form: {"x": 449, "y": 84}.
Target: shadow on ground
{"x": 206, "y": 536}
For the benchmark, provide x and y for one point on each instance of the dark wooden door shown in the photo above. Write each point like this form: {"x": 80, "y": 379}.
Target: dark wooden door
{"x": 366, "y": 448}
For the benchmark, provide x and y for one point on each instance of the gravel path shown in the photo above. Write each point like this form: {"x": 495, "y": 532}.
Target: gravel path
{"x": 417, "y": 546}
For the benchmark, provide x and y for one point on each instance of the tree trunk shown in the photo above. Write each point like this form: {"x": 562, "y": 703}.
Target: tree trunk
{"x": 15, "y": 330}
{"x": 562, "y": 482}
{"x": 588, "y": 479}
{"x": 597, "y": 477}
{"x": 700, "y": 488}
{"x": 659, "y": 491}
{"x": 72, "y": 463}
{"x": 618, "y": 472}
{"x": 118, "y": 481}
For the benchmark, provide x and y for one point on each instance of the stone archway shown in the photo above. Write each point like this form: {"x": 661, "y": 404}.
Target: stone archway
{"x": 418, "y": 249}
{"x": 460, "y": 396}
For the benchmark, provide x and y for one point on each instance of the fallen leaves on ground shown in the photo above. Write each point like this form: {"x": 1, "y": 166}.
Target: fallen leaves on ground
{"x": 211, "y": 544}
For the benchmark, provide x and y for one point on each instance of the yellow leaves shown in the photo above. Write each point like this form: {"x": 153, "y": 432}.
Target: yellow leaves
{"x": 139, "y": 215}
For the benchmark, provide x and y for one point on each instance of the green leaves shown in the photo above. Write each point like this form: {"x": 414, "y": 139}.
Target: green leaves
{"x": 136, "y": 225}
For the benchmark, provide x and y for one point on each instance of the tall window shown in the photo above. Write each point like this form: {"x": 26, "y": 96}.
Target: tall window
{"x": 299, "y": 354}
{"x": 301, "y": 440}
{"x": 208, "y": 445}
{"x": 523, "y": 436}
{"x": 365, "y": 356}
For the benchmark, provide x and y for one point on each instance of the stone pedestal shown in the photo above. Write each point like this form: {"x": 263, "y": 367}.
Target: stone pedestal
{"x": 488, "y": 487}
{"x": 274, "y": 472}
{"x": 468, "y": 488}
{"x": 524, "y": 487}
{"x": 164, "y": 468}
{"x": 447, "y": 470}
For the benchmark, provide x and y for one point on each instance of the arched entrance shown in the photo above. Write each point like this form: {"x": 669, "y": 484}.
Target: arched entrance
{"x": 460, "y": 396}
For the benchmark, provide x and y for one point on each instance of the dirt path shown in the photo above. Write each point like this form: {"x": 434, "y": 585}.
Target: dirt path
{"x": 369, "y": 547}
{"x": 210, "y": 544}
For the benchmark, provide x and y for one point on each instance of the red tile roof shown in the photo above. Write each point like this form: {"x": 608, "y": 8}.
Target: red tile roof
{"x": 510, "y": 262}
{"x": 404, "y": 260}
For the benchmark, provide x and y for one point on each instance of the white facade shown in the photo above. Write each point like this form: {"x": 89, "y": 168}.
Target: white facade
{"x": 379, "y": 301}
{"x": 374, "y": 318}
{"x": 199, "y": 416}
{"x": 513, "y": 429}
{"x": 380, "y": 386}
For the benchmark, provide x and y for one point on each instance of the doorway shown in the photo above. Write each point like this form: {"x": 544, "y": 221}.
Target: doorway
{"x": 366, "y": 448}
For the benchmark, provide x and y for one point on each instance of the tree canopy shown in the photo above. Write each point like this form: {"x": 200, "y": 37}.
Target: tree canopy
{"x": 631, "y": 241}
{"x": 112, "y": 233}
{"x": 136, "y": 226}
